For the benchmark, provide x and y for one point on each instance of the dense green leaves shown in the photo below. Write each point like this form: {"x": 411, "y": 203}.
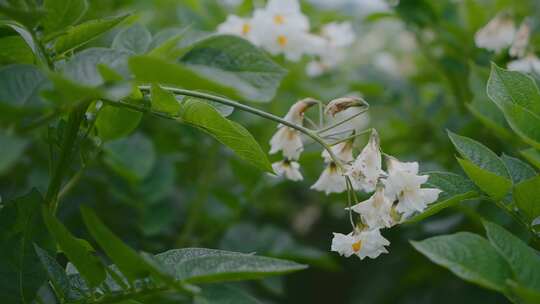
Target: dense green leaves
{"x": 55, "y": 272}
{"x": 62, "y": 13}
{"x": 12, "y": 148}
{"x": 205, "y": 117}
{"x": 468, "y": 256}
{"x": 83, "y": 68}
{"x": 83, "y": 33}
{"x": 206, "y": 265}
{"x": 164, "y": 101}
{"x": 78, "y": 251}
{"x": 236, "y": 63}
{"x": 20, "y": 86}
{"x": 527, "y": 197}
{"x": 131, "y": 157}
{"x": 21, "y": 273}
{"x": 518, "y": 97}
{"x": 455, "y": 189}
{"x": 135, "y": 39}
{"x": 524, "y": 261}
{"x": 482, "y": 166}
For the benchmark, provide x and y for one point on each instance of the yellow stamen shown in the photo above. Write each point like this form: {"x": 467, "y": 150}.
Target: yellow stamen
{"x": 246, "y": 28}
{"x": 282, "y": 40}
{"x": 357, "y": 246}
{"x": 279, "y": 19}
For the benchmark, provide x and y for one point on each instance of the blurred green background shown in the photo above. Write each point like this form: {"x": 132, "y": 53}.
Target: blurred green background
{"x": 416, "y": 64}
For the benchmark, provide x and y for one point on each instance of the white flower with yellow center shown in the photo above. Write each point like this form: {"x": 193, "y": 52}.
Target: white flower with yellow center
{"x": 367, "y": 167}
{"x": 404, "y": 184}
{"x": 287, "y": 139}
{"x": 368, "y": 243}
{"x": 288, "y": 169}
{"x": 331, "y": 180}
{"x": 376, "y": 212}
{"x": 521, "y": 41}
{"x": 497, "y": 35}
{"x": 528, "y": 64}
{"x": 235, "y": 25}
{"x": 336, "y": 37}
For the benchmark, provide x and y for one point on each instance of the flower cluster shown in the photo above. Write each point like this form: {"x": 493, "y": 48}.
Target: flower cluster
{"x": 281, "y": 28}
{"x": 501, "y": 33}
{"x": 396, "y": 189}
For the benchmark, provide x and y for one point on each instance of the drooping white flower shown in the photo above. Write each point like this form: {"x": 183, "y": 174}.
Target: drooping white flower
{"x": 288, "y": 169}
{"x": 528, "y": 64}
{"x": 368, "y": 243}
{"x": 497, "y": 35}
{"x": 521, "y": 41}
{"x": 235, "y": 25}
{"x": 343, "y": 151}
{"x": 331, "y": 180}
{"x": 404, "y": 184}
{"x": 367, "y": 167}
{"x": 376, "y": 212}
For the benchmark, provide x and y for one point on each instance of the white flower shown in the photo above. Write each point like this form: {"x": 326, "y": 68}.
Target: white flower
{"x": 338, "y": 34}
{"x": 235, "y": 25}
{"x": 336, "y": 37}
{"x": 521, "y": 41}
{"x": 369, "y": 243}
{"x": 282, "y": 14}
{"x": 331, "y": 180}
{"x": 288, "y": 169}
{"x": 343, "y": 151}
{"x": 288, "y": 139}
{"x": 528, "y": 64}
{"x": 404, "y": 184}
{"x": 497, "y": 34}
{"x": 376, "y": 212}
{"x": 367, "y": 167}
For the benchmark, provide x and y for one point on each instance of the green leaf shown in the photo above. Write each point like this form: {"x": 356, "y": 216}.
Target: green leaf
{"x": 12, "y": 149}
{"x": 527, "y": 197}
{"x": 203, "y": 116}
{"x": 20, "y": 86}
{"x": 523, "y": 260}
{"x": 135, "y": 39}
{"x": 532, "y": 155}
{"x": 13, "y": 49}
{"x": 164, "y": 101}
{"x": 527, "y": 296}
{"x": 469, "y": 256}
{"x": 235, "y": 62}
{"x": 518, "y": 98}
{"x": 154, "y": 70}
{"x": 78, "y": 251}
{"x": 455, "y": 189}
{"x": 62, "y": 13}
{"x": 83, "y": 33}
{"x": 131, "y": 157}
{"x": 28, "y": 17}
{"x": 519, "y": 170}
{"x": 206, "y": 265}
{"x": 115, "y": 122}
{"x": 21, "y": 273}
{"x": 56, "y": 274}
{"x": 494, "y": 185}
{"x": 223, "y": 294}
{"x": 125, "y": 258}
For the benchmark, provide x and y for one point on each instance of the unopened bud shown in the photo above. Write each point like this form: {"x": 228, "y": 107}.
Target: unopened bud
{"x": 341, "y": 104}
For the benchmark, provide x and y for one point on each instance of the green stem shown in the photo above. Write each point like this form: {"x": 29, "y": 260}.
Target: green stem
{"x": 66, "y": 154}
{"x": 339, "y": 123}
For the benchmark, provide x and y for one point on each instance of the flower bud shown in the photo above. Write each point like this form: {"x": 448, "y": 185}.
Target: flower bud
{"x": 341, "y": 104}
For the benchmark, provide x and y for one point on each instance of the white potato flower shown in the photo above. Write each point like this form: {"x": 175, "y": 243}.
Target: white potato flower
{"x": 288, "y": 169}
{"x": 331, "y": 180}
{"x": 376, "y": 212}
{"x": 497, "y": 35}
{"x": 343, "y": 151}
{"x": 287, "y": 139}
{"x": 238, "y": 26}
{"x": 367, "y": 167}
{"x": 528, "y": 64}
{"x": 404, "y": 184}
{"x": 282, "y": 14}
{"x": 521, "y": 41}
{"x": 368, "y": 243}
{"x": 338, "y": 35}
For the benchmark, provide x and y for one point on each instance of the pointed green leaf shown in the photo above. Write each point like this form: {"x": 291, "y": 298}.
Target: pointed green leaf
{"x": 135, "y": 39}
{"x": 519, "y": 170}
{"x": 12, "y": 149}
{"x": 527, "y": 197}
{"x": 131, "y": 157}
{"x": 203, "y": 116}
{"x": 532, "y": 156}
{"x": 492, "y": 184}
{"x": 469, "y": 256}
{"x": 55, "y": 272}
{"x": 164, "y": 101}
{"x": 20, "y": 86}
{"x": 62, "y": 13}
{"x": 523, "y": 260}
{"x": 114, "y": 122}
{"x": 78, "y": 251}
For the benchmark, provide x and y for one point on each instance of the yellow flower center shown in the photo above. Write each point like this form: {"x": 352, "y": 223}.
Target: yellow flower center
{"x": 357, "y": 246}
{"x": 279, "y": 19}
{"x": 282, "y": 40}
{"x": 246, "y": 28}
